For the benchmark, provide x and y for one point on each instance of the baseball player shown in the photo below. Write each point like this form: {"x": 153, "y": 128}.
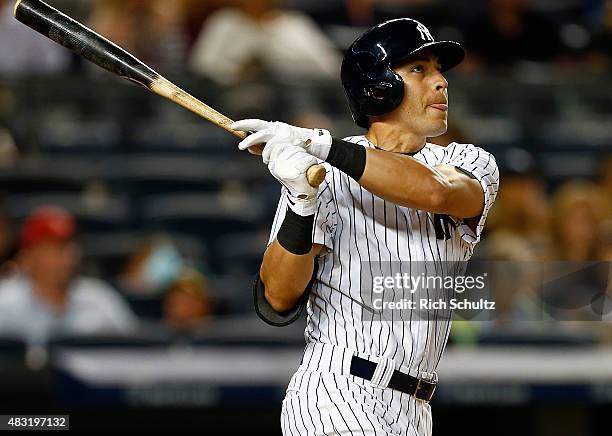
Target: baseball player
{"x": 389, "y": 196}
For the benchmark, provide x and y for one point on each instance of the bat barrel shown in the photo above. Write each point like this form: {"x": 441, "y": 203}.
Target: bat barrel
{"x": 83, "y": 41}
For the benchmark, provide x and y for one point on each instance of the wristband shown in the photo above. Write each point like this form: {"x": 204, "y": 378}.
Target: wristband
{"x": 295, "y": 234}
{"x": 347, "y": 157}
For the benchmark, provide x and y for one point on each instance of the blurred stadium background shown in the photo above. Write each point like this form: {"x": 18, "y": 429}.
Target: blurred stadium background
{"x": 171, "y": 220}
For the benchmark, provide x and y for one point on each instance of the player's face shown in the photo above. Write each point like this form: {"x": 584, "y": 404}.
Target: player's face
{"x": 424, "y": 109}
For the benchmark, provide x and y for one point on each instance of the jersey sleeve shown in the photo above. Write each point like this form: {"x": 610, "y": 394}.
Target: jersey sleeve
{"x": 325, "y": 218}
{"x": 480, "y": 165}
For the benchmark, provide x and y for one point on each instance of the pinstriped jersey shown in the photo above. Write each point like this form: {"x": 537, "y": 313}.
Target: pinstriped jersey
{"x": 359, "y": 229}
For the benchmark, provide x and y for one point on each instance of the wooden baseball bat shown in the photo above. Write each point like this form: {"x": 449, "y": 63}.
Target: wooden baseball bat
{"x": 83, "y": 41}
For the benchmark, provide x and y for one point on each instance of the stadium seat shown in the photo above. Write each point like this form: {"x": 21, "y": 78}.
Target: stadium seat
{"x": 105, "y": 254}
{"x": 49, "y": 174}
{"x": 144, "y": 174}
{"x": 240, "y": 252}
{"x": 92, "y": 215}
{"x": 204, "y": 215}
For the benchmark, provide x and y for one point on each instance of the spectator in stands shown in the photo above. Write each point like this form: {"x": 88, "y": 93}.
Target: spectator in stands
{"x": 24, "y": 51}
{"x": 153, "y": 30}
{"x": 575, "y": 290}
{"x": 522, "y": 207}
{"x": 195, "y": 13}
{"x": 605, "y": 182}
{"x": 510, "y": 31}
{"x": 152, "y": 268}
{"x": 187, "y": 305}
{"x": 47, "y": 298}
{"x": 580, "y": 211}
{"x": 9, "y": 151}
{"x": 7, "y": 245}
{"x": 605, "y": 175}
{"x": 237, "y": 42}
{"x": 365, "y": 12}
{"x": 9, "y": 154}
{"x": 515, "y": 279}
{"x": 360, "y": 12}
{"x": 600, "y": 48}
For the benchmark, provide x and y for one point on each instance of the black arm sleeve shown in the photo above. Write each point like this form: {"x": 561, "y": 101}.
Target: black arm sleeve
{"x": 347, "y": 157}
{"x": 277, "y": 319}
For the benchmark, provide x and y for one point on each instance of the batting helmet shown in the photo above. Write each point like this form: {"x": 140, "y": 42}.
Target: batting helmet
{"x": 371, "y": 86}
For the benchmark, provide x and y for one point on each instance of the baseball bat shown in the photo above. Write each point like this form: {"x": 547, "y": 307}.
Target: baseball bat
{"x": 86, "y": 43}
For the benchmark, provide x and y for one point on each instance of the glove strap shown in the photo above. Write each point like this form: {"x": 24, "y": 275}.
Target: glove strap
{"x": 319, "y": 143}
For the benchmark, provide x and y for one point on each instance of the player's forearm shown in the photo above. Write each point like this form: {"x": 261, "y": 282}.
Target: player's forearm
{"x": 405, "y": 181}
{"x": 399, "y": 179}
{"x": 285, "y": 276}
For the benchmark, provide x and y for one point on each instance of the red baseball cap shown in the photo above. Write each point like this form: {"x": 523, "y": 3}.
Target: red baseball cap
{"x": 47, "y": 223}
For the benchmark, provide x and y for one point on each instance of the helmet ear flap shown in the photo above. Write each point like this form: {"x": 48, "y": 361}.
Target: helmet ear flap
{"x": 384, "y": 95}
{"x": 377, "y": 91}
{"x": 376, "y": 98}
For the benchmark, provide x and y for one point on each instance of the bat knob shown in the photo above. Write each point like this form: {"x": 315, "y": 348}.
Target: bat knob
{"x": 316, "y": 175}
{"x": 257, "y": 149}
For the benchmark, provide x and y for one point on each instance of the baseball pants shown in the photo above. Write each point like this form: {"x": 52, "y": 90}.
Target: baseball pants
{"x": 324, "y": 399}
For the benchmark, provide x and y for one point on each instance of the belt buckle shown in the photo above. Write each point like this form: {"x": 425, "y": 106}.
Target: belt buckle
{"x": 431, "y": 379}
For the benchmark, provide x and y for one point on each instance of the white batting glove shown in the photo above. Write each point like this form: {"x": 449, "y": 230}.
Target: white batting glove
{"x": 317, "y": 142}
{"x": 288, "y": 164}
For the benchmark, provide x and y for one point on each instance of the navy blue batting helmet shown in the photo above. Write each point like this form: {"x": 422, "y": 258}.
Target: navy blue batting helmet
{"x": 371, "y": 86}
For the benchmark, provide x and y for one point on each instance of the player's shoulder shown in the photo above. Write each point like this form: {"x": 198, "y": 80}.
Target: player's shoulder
{"x": 454, "y": 146}
{"x": 463, "y": 146}
{"x": 459, "y": 150}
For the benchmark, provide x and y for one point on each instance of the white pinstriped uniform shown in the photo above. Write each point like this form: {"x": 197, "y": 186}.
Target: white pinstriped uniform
{"x": 358, "y": 228}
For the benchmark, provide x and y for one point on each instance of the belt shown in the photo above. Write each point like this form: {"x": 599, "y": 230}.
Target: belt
{"x": 421, "y": 389}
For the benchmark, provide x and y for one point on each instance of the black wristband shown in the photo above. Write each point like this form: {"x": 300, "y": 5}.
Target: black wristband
{"x": 347, "y": 157}
{"x": 295, "y": 234}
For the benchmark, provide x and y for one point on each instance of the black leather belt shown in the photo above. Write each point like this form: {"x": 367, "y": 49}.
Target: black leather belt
{"x": 419, "y": 388}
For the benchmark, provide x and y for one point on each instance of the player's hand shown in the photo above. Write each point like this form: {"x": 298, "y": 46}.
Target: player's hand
{"x": 289, "y": 164}
{"x": 317, "y": 142}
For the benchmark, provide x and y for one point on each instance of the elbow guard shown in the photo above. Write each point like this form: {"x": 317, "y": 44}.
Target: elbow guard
{"x": 267, "y": 313}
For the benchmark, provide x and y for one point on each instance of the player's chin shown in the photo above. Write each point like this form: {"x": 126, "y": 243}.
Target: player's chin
{"x": 438, "y": 127}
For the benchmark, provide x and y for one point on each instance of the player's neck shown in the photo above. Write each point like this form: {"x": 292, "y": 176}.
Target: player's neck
{"x": 394, "y": 138}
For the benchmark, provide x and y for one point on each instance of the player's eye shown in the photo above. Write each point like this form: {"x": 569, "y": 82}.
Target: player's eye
{"x": 418, "y": 69}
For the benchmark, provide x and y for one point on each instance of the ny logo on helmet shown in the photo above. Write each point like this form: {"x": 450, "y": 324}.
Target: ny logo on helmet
{"x": 424, "y": 32}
